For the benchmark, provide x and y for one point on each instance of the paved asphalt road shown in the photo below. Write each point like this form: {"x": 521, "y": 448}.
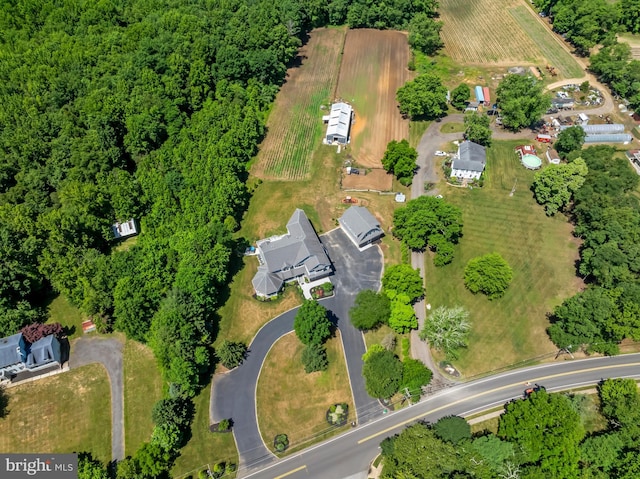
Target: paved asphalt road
{"x": 349, "y": 455}
{"x": 233, "y": 394}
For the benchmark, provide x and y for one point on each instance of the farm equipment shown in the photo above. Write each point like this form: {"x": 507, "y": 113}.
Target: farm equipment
{"x": 348, "y": 200}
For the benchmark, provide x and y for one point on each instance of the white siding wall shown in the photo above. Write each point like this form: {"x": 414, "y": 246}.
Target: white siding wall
{"x": 466, "y": 174}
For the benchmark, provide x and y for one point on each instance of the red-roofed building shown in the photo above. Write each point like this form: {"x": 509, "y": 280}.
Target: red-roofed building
{"x": 487, "y": 96}
{"x": 525, "y": 150}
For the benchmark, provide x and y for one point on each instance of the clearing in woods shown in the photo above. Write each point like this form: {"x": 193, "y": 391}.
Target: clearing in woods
{"x": 374, "y": 66}
{"x": 501, "y": 32}
{"x": 295, "y": 124}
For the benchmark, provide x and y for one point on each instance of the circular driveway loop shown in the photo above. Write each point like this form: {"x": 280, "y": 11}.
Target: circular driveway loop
{"x": 234, "y": 394}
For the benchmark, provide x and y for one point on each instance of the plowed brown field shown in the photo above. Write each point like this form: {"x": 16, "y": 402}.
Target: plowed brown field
{"x": 374, "y": 66}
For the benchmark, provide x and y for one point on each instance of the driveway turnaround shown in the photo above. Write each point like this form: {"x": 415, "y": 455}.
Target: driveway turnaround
{"x": 107, "y": 352}
{"x": 233, "y": 394}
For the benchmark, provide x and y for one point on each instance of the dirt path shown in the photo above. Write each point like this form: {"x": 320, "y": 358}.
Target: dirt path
{"x": 107, "y": 352}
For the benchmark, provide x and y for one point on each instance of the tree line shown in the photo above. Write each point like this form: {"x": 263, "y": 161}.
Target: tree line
{"x": 543, "y": 435}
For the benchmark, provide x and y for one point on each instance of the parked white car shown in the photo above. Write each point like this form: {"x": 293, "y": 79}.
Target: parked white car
{"x": 440, "y": 153}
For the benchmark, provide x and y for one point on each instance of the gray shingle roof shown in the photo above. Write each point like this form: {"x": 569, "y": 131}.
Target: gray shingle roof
{"x": 10, "y": 351}
{"x": 471, "y": 156}
{"x": 43, "y": 351}
{"x": 286, "y": 257}
{"x": 360, "y": 225}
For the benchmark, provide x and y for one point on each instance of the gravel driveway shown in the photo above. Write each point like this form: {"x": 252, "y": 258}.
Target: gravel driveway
{"x": 107, "y": 352}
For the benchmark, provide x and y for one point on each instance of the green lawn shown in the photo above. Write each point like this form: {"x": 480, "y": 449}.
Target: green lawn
{"x": 204, "y": 447}
{"x": 540, "y": 250}
{"x": 142, "y": 389}
{"x": 63, "y": 413}
{"x": 550, "y": 48}
{"x": 60, "y": 310}
{"x": 290, "y": 401}
{"x": 452, "y": 128}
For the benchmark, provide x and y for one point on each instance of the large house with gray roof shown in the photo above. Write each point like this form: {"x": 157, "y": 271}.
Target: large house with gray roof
{"x": 17, "y": 355}
{"x": 469, "y": 162}
{"x": 284, "y": 258}
{"x": 360, "y": 226}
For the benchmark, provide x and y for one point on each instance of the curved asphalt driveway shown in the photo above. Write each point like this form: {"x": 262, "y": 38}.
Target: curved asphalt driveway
{"x": 234, "y": 394}
{"x": 107, "y": 352}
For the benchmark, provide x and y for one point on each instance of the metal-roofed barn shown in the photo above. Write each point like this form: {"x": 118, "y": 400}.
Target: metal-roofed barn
{"x": 339, "y": 123}
{"x": 289, "y": 256}
{"x": 360, "y": 226}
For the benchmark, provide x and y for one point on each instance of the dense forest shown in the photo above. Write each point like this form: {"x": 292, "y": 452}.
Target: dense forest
{"x": 542, "y": 436}
{"x": 606, "y": 214}
{"x": 145, "y": 109}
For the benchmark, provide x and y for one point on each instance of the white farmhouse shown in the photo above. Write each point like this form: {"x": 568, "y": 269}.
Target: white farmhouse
{"x": 469, "y": 162}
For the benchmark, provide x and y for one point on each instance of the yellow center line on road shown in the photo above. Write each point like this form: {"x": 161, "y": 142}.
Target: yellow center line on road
{"x": 290, "y": 472}
{"x": 415, "y": 418}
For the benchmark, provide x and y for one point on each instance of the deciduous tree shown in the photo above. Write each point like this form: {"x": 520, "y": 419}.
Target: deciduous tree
{"x": 427, "y": 221}
{"x": 400, "y": 160}
{"x": 522, "y": 101}
{"x": 489, "y": 274}
{"x": 569, "y": 140}
{"x": 424, "y": 34}
{"x": 554, "y": 186}
{"x": 312, "y": 324}
{"x": 370, "y": 310}
{"x": 424, "y": 97}
{"x": 403, "y": 279}
{"x": 477, "y": 128}
{"x": 547, "y": 430}
{"x": 382, "y": 372}
{"x": 460, "y": 96}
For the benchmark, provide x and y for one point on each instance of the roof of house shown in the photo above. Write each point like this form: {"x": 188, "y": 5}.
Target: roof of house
{"x": 9, "y": 350}
{"x": 339, "y": 120}
{"x": 360, "y": 224}
{"x": 471, "y": 156}
{"x": 633, "y": 154}
{"x": 552, "y": 154}
{"x": 287, "y": 256}
{"x": 43, "y": 351}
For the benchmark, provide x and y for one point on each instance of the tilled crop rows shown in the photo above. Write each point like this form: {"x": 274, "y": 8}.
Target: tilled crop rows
{"x": 295, "y": 123}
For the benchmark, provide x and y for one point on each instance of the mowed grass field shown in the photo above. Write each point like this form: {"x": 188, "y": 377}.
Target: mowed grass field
{"x": 142, "y": 389}
{"x": 540, "y": 250}
{"x": 501, "y": 32}
{"x": 295, "y": 124}
{"x": 64, "y": 413}
{"x": 555, "y": 54}
{"x": 374, "y": 66}
{"x": 297, "y": 406}
{"x": 633, "y": 41}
